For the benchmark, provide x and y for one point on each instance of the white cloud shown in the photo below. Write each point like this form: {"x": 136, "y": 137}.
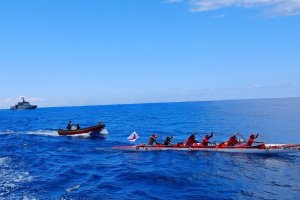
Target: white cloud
{"x": 271, "y": 7}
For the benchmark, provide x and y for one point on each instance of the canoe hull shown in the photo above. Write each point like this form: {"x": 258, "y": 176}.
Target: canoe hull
{"x": 260, "y": 149}
{"x": 90, "y": 131}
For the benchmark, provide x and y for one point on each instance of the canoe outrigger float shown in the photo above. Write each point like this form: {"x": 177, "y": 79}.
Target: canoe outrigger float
{"x": 255, "y": 149}
{"x": 98, "y": 130}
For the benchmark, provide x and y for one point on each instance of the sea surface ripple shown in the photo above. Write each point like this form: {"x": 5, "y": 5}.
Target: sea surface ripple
{"x": 36, "y": 163}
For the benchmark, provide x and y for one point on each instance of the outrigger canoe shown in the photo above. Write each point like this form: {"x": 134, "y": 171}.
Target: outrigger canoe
{"x": 255, "y": 149}
{"x": 97, "y": 130}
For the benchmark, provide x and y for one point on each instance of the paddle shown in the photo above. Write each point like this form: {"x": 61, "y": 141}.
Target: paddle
{"x": 241, "y": 136}
{"x": 260, "y": 138}
{"x": 196, "y": 132}
{"x": 200, "y": 137}
{"x": 214, "y": 137}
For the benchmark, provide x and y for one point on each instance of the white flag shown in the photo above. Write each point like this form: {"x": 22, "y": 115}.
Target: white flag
{"x": 133, "y": 137}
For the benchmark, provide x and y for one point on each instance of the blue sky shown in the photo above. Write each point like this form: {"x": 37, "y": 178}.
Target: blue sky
{"x": 91, "y": 52}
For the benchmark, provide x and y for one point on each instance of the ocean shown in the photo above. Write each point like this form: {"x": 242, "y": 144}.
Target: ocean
{"x": 36, "y": 163}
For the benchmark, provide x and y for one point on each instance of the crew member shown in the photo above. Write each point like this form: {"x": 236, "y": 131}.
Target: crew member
{"x": 77, "y": 126}
{"x": 191, "y": 140}
{"x": 152, "y": 140}
{"x": 205, "y": 140}
{"x": 251, "y": 139}
{"x": 232, "y": 141}
{"x": 69, "y": 126}
{"x": 168, "y": 140}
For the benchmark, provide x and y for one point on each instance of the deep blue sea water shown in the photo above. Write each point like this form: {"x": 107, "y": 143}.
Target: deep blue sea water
{"x": 36, "y": 163}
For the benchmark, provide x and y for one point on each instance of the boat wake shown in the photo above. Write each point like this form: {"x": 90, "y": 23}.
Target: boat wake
{"x": 36, "y": 132}
{"x": 7, "y": 132}
{"x": 104, "y": 132}
{"x": 42, "y": 132}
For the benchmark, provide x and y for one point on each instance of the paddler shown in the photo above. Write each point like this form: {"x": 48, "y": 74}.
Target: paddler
{"x": 191, "y": 140}
{"x": 69, "y": 126}
{"x": 205, "y": 140}
{"x": 251, "y": 139}
{"x": 168, "y": 140}
{"x": 232, "y": 140}
{"x": 152, "y": 140}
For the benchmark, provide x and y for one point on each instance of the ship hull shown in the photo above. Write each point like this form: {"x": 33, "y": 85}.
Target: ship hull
{"x": 23, "y": 108}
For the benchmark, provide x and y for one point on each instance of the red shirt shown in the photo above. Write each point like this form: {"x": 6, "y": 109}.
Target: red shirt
{"x": 190, "y": 141}
{"x": 232, "y": 141}
{"x": 205, "y": 142}
{"x": 250, "y": 140}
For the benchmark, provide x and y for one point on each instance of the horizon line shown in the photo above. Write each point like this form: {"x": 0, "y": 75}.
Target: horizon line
{"x": 164, "y": 102}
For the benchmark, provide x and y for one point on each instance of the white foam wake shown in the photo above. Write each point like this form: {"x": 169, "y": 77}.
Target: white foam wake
{"x": 42, "y": 132}
{"x": 7, "y": 132}
{"x": 104, "y": 132}
{"x": 36, "y": 132}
